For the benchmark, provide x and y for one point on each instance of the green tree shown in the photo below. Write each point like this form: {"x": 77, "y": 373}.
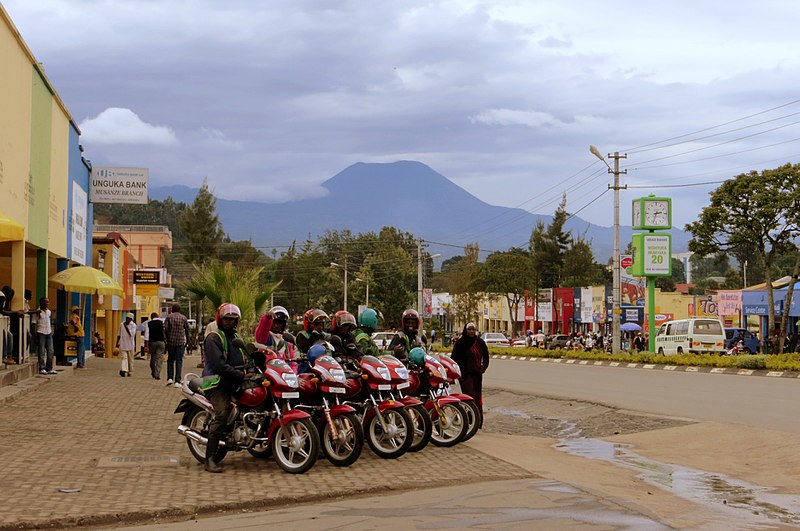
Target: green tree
{"x": 579, "y": 267}
{"x": 755, "y": 210}
{"x": 202, "y": 228}
{"x": 510, "y": 274}
{"x": 548, "y": 246}
{"x": 464, "y": 307}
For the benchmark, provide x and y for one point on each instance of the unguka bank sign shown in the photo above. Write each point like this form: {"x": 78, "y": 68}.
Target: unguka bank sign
{"x": 119, "y": 185}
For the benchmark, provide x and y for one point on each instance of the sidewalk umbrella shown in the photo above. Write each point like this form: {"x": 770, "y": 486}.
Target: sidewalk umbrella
{"x": 630, "y": 327}
{"x": 85, "y": 279}
{"x": 10, "y": 230}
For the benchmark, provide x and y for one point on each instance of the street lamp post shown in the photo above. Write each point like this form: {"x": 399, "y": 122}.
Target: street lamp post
{"x": 344, "y": 267}
{"x": 615, "y": 290}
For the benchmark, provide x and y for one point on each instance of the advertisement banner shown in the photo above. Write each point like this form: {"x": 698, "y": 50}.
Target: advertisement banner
{"x": 118, "y": 185}
{"x": 544, "y": 306}
{"x": 705, "y": 306}
{"x": 78, "y": 226}
{"x": 586, "y": 305}
{"x": 427, "y": 303}
{"x": 729, "y": 302}
{"x": 632, "y": 289}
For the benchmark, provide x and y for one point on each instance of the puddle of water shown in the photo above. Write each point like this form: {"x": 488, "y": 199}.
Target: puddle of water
{"x": 510, "y": 412}
{"x": 751, "y": 502}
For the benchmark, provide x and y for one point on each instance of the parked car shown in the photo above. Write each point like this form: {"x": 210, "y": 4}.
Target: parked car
{"x": 558, "y": 341}
{"x": 382, "y": 339}
{"x": 496, "y": 339}
{"x": 733, "y": 335}
{"x": 519, "y": 342}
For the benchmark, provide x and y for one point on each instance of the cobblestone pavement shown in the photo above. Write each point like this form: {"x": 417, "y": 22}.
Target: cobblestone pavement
{"x": 91, "y": 447}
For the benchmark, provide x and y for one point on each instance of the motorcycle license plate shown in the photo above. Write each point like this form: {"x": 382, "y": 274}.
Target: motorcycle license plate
{"x": 338, "y": 390}
{"x": 293, "y": 394}
{"x": 385, "y": 387}
{"x": 403, "y": 385}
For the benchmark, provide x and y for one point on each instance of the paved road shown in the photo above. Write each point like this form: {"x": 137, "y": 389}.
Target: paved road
{"x": 756, "y": 401}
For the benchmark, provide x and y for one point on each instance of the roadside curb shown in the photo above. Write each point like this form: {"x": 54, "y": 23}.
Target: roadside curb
{"x": 657, "y": 367}
{"x": 9, "y": 393}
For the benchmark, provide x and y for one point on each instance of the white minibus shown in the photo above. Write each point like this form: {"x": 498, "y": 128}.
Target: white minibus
{"x": 691, "y": 336}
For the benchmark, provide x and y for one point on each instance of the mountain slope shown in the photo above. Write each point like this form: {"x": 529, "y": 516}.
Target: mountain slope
{"x": 408, "y": 195}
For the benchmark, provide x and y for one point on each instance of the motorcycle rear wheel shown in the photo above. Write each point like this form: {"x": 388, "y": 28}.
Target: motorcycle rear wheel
{"x": 450, "y": 426}
{"x": 395, "y": 442}
{"x": 421, "y": 421}
{"x": 295, "y": 447}
{"x": 198, "y": 420}
{"x": 474, "y": 419}
{"x": 345, "y": 449}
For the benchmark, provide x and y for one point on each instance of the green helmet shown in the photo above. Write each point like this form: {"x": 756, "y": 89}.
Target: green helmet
{"x": 417, "y": 355}
{"x": 368, "y": 318}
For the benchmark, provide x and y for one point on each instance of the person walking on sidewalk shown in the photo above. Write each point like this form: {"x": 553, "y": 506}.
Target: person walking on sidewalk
{"x": 75, "y": 331}
{"x": 154, "y": 343}
{"x": 472, "y": 356}
{"x": 126, "y": 343}
{"x": 176, "y": 333}
{"x": 44, "y": 336}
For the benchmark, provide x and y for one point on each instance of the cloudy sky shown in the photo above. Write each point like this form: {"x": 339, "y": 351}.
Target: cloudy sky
{"x": 269, "y": 99}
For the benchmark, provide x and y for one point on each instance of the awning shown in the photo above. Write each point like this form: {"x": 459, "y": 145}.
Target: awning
{"x": 10, "y": 230}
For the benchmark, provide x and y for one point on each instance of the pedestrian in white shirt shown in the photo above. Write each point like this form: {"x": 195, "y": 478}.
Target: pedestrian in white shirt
{"x": 44, "y": 336}
{"x": 126, "y": 343}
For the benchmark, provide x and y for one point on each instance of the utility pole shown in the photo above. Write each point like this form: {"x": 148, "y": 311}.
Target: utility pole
{"x": 616, "y": 298}
{"x": 419, "y": 276}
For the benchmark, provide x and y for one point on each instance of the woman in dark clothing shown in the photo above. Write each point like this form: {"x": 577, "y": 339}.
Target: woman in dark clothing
{"x": 472, "y": 356}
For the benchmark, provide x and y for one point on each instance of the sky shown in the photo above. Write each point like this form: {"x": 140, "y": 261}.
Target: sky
{"x": 267, "y": 100}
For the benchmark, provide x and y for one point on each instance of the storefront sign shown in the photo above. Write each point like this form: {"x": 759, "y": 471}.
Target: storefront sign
{"x": 118, "y": 185}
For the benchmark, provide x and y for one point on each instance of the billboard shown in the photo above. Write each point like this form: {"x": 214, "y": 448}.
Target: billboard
{"x": 544, "y": 306}
{"x": 118, "y": 185}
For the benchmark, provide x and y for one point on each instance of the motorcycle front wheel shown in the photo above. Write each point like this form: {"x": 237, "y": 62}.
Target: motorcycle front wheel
{"x": 345, "y": 448}
{"x": 295, "y": 446}
{"x": 474, "y": 419}
{"x": 198, "y": 420}
{"x": 391, "y": 438}
{"x": 423, "y": 427}
{"x": 449, "y": 426}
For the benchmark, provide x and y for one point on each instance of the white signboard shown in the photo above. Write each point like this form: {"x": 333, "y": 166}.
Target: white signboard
{"x": 586, "y": 305}
{"x": 118, "y": 185}
{"x": 544, "y": 306}
{"x": 657, "y": 255}
{"x": 78, "y": 224}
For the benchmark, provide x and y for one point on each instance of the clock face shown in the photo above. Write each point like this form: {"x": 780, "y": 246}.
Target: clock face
{"x": 637, "y": 214}
{"x": 656, "y": 213}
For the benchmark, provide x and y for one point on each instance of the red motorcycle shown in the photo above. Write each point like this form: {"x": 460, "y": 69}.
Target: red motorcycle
{"x": 262, "y": 420}
{"x": 420, "y": 419}
{"x": 428, "y": 378}
{"x": 387, "y": 426}
{"x": 338, "y": 423}
{"x": 473, "y": 411}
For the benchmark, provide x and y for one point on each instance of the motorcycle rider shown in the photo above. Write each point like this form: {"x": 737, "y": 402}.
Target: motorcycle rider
{"x": 368, "y": 323}
{"x": 313, "y": 323}
{"x": 342, "y": 336}
{"x": 222, "y": 355}
{"x": 271, "y": 332}
{"x": 409, "y": 337}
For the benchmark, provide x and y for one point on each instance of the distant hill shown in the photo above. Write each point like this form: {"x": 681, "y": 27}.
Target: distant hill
{"x": 407, "y": 195}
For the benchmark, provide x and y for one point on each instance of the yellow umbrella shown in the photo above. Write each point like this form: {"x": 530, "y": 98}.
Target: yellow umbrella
{"x": 10, "y": 230}
{"x": 85, "y": 279}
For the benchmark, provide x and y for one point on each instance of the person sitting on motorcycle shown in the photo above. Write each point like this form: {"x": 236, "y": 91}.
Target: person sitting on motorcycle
{"x": 223, "y": 357}
{"x": 408, "y": 337}
{"x": 272, "y": 332}
{"x": 367, "y": 324}
{"x": 313, "y": 324}
{"x": 343, "y": 325}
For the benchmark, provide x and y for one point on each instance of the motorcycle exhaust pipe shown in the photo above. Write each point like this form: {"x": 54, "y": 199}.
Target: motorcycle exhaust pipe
{"x": 189, "y": 433}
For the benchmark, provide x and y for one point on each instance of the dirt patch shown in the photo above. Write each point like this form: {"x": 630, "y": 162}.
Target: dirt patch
{"x": 520, "y": 414}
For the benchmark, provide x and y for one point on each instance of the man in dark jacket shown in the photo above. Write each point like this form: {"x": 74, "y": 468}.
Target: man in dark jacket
{"x": 222, "y": 357}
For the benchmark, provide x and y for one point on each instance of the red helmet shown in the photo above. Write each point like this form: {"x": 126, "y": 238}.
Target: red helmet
{"x": 342, "y": 318}
{"x": 410, "y": 315}
{"x": 314, "y": 314}
{"x": 226, "y": 309}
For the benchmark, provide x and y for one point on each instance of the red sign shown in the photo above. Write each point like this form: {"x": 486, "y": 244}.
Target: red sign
{"x": 626, "y": 262}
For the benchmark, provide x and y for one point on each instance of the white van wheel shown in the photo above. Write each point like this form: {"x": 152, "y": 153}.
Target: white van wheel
{"x": 661, "y": 350}
{"x": 680, "y": 350}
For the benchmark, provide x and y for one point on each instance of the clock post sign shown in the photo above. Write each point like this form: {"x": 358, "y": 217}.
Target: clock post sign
{"x": 652, "y": 256}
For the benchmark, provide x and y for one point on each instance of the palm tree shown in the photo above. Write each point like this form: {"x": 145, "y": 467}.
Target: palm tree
{"x": 220, "y": 282}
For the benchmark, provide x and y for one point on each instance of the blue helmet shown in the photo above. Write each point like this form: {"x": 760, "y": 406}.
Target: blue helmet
{"x": 315, "y": 352}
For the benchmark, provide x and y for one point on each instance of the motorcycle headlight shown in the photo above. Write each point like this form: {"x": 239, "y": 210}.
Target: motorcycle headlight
{"x": 442, "y": 373}
{"x": 402, "y": 372}
{"x": 290, "y": 379}
{"x": 338, "y": 375}
{"x": 384, "y": 372}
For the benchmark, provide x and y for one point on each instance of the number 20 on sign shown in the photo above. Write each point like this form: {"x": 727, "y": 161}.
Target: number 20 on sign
{"x": 652, "y": 255}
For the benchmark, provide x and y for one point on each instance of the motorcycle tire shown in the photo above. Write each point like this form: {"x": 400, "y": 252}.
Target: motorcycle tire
{"x": 295, "y": 447}
{"x": 450, "y": 426}
{"x": 345, "y": 449}
{"x": 421, "y": 421}
{"x": 393, "y": 443}
{"x": 474, "y": 419}
{"x": 198, "y": 420}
